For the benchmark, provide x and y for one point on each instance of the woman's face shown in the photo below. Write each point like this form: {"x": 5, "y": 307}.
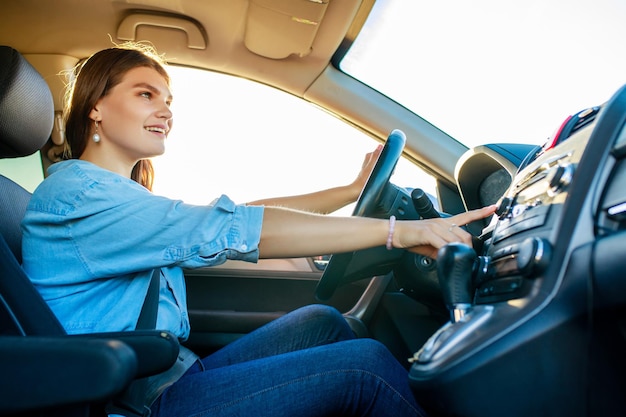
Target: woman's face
{"x": 135, "y": 117}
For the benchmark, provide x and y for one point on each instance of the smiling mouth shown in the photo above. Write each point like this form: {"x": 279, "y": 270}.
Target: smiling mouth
{"x": 156, "y": 129}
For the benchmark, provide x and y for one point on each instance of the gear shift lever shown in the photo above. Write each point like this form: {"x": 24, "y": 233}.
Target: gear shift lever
{"x": 455, "y": 266}
{"x": 455, "y": 263}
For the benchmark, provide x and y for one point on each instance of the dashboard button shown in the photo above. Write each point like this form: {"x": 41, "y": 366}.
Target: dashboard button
{"x": 504, "y": 207}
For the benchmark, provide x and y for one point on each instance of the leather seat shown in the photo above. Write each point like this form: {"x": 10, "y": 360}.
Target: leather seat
{"x": 44, "y": 371}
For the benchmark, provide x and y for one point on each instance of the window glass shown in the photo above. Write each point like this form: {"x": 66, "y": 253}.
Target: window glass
{"x": 491, "y": 70}
{"x": 26, "y": 171}
{"x": 249, "y": 141}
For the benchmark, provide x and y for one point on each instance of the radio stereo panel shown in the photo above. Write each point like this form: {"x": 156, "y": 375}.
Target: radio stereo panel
{"x": 519, "y": 246}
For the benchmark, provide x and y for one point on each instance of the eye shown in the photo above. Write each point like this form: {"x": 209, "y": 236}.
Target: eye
{"x": 146, "y": 94}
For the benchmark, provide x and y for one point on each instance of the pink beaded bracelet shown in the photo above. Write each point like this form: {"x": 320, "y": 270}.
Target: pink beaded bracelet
{"x": 392, "y": 226}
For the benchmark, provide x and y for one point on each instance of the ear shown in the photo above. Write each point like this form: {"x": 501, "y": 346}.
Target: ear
{"x": 94, "y": 114}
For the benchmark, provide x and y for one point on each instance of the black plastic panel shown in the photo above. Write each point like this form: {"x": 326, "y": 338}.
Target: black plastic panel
{"x": 555, "y": 345}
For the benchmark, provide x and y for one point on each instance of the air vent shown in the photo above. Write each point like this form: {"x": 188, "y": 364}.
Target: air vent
{"x": 571, "y": 125}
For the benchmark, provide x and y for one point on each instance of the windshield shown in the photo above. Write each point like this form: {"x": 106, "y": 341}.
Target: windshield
{"x": 488, "y": 71}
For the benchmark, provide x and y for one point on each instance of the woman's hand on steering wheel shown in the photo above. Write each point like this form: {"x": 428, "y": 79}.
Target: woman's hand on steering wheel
{"x": 369, "y": 162}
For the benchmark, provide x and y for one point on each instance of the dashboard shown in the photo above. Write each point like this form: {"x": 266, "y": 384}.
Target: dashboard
{"x": 544, "y": 334}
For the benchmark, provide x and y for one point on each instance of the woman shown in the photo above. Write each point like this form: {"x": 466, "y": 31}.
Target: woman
{"x": 93, "y": 232}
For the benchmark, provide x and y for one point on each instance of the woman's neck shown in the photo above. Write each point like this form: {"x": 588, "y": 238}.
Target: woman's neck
{"x": 110, "y": 162}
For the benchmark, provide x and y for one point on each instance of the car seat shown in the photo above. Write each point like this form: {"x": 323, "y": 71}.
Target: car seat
{"x": 44, "y": 371}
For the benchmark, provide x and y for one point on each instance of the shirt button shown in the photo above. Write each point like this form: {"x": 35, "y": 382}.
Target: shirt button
{"x": 244, "y": 247}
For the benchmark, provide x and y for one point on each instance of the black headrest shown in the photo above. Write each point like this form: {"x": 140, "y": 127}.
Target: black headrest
{"x": 26, "y": 106}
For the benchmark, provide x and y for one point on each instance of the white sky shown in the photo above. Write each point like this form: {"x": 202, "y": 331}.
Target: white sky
{"x": 494, "y": 70}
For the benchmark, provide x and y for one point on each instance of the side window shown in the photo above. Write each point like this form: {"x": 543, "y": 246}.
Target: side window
{"x": 249, "y": 141}
{"x": 26, "y": 171}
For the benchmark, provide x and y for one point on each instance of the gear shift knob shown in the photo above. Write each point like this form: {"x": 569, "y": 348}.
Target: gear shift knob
{"x": 455, "y": 263}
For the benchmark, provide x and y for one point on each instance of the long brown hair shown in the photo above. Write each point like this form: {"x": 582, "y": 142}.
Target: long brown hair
{"x": 92, "y": 80}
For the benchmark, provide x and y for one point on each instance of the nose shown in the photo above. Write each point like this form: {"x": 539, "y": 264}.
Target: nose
{"x": 165, "y": 112}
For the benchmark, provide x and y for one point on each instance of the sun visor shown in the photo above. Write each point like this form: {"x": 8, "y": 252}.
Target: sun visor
{"x": 280, "y": 28}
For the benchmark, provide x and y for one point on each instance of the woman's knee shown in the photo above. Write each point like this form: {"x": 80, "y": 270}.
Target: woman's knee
{"x": 325, "y": 320}
{"x": 321, "y": 312}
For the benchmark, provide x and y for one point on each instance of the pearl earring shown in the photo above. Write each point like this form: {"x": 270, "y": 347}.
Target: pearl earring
{"x": 96, "y": 136}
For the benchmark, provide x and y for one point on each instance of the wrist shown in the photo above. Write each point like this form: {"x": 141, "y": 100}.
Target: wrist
{"x": 354, "y": 189}
{"x": 390, "y": 232}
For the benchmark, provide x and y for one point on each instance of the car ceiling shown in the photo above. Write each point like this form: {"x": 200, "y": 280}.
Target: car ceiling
{"x": 234, "y": 32}
{"x": 287, "y": 44}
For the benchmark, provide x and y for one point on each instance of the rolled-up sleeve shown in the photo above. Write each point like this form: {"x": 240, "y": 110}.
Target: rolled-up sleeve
{"x": 148, "y": 228}
{"x": 233, "y": 233}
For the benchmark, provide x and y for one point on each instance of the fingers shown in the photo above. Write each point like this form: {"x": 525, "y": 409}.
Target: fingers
{"x": 438, "y": 234}
{"x": 372, "y": 157}
{"x": 427, "y": 236}
{"x": 472, "y": 215}
{"x": 442, "y": 231}
{"x": 456, "y": 222}
{"x": 369, "y": 161}
{"x": 456, "y": 233}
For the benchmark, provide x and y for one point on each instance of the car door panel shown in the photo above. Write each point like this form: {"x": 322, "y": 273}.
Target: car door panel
{"x": 230, "y": 300}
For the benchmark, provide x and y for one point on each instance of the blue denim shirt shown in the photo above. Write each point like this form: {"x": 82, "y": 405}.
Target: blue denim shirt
{"x": 93, "y": 237}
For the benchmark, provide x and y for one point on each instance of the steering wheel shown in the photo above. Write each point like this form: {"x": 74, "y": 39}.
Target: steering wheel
{"x": 334, "y": 274}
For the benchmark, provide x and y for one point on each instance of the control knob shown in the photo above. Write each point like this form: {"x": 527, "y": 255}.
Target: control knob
{"x": 533, "y": 256}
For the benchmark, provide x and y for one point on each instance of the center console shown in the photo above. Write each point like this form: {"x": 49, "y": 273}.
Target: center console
{"x": 527, "y": 323}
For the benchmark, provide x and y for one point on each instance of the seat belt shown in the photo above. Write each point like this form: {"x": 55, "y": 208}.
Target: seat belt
{"x": 148, "y": 315}
{"x": 132, "y": 402}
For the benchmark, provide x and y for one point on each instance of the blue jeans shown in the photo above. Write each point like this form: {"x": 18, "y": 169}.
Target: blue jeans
{"x": 306, "y": 363}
